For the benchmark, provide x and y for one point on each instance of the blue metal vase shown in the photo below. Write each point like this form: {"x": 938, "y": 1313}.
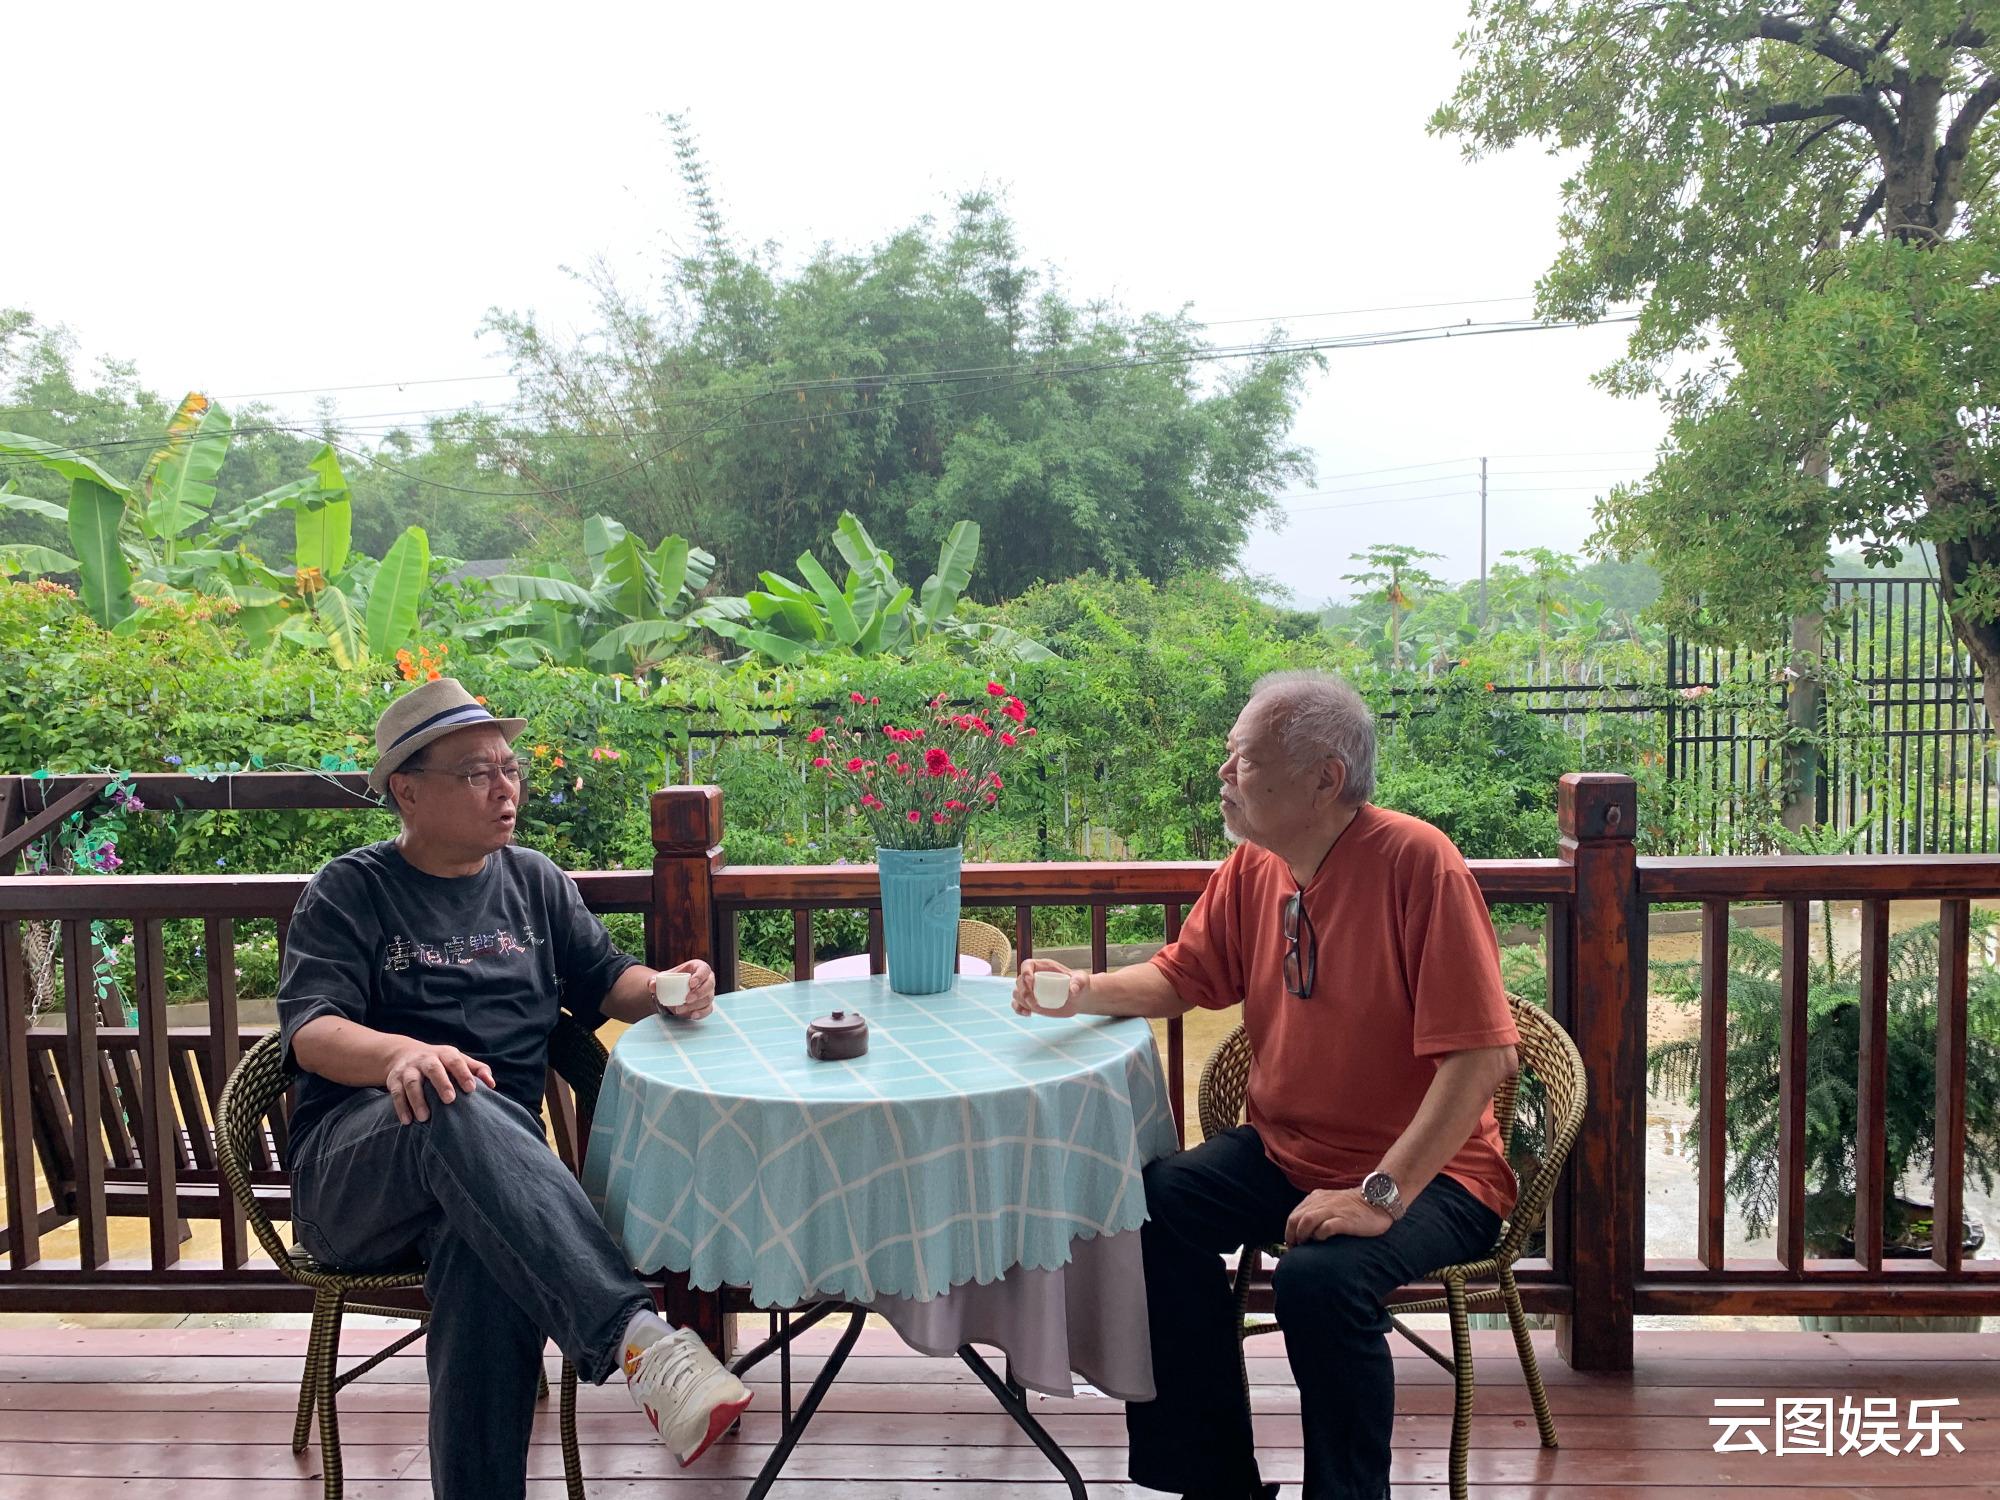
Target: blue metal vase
{"x": 920, "y": 917}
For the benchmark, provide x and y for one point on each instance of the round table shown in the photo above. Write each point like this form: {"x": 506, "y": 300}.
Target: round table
{"x": 970, "y": 1148}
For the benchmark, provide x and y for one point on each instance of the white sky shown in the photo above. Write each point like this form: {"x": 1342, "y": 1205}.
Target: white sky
{"x": 279, "y": 197}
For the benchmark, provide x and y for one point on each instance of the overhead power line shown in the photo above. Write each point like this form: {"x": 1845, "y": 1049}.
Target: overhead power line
{"x": 947, "y": 382}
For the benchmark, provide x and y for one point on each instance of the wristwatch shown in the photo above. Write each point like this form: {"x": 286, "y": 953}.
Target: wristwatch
{"x": 1379, "y": 1190}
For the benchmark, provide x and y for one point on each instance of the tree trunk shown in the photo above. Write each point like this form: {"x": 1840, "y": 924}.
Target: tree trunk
{"x": 1981, "y": 635}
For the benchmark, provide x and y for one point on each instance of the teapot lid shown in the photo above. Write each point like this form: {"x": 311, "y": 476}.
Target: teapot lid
{"x": 840, "y": 1020}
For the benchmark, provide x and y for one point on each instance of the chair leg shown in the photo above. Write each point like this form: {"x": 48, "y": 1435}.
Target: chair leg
{"x": 325, "y": 1352}
{"x": 572, "y": 1456}
{"x": 1461, "y": 1411}
{"x": 1531, "y": 1370}
{"x": 1246, "y": 1269}
{"x": 309, "y": 1379}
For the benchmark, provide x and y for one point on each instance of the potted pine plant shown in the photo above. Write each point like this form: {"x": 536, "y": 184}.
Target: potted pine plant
{"x": 1833, "y": 1005}
{"x": 918, "y": 785}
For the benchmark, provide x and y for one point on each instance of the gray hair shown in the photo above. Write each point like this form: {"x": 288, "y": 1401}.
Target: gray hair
{"x": 1324, "y": 718}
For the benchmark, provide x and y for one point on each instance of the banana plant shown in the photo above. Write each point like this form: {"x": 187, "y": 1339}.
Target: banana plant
{"x": 159, "y": 539}
{"x": 872, "y": 613}
{"x": 640, "y": 603}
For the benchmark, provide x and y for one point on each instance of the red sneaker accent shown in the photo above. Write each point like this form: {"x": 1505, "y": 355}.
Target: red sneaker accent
{"x": 720, "y": 1420}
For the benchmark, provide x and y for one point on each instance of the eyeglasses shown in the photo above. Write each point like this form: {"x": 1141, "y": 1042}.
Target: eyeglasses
{"x": 1301, "y": 947}
{"x": 478, "y": 778}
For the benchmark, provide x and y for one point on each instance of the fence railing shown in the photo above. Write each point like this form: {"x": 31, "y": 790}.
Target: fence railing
{"x": 131, "y": 1105}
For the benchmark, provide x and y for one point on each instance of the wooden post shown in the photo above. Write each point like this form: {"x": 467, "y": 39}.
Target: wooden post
{"x": 687, "y": 851}
{"x": 1607, "y": 994}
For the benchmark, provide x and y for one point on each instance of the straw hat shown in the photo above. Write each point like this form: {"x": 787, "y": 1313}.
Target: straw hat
{"x": 428, "y": 712}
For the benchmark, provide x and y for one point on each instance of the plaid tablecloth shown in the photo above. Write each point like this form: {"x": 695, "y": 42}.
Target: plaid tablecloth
{"x": 967, "y": 1142}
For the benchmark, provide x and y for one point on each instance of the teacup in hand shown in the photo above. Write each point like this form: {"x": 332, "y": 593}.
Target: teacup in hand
{"x": 670, "y": 991}
{"x": 1051, "y": 989}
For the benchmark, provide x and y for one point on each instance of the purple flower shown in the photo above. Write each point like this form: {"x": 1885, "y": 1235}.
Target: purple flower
{"x": 556, "y": 798}
{"x": 173, "y": 760}
{"x": 221, "y": 863}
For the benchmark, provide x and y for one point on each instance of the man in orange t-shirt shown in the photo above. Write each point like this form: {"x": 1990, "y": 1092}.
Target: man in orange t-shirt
{"x": 1362, "y": 953}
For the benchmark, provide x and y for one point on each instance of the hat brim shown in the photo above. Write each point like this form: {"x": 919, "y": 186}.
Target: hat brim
{"x": 378, "y": 777}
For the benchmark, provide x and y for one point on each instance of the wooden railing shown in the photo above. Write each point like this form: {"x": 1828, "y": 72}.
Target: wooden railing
{"x": 133, "y": 1103}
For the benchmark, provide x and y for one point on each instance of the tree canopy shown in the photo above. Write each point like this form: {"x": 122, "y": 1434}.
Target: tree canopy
{"x": 932, "y": 378}
{"x": 1801, "y": 203}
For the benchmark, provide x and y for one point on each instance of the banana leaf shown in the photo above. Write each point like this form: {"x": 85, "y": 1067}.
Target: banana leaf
{"x": 670, "y": 570}
{"x": 346, "y": 632}
{"x": 72, "y": 466}
{"x": 25, "y": 557}
{"x": 954, "y": 571}
{"x": 526, "y": 586}
{"x": 838, "y": 614}
{"x": 95, "y": 513}
{"x": 29, "y": 505}
{"x": 600, "y": 535}
{"x": 324, "y": 517}
{"x": 177, "y": 486}
{"x": 398, "y": 591}
{"x": 630, "y": 583}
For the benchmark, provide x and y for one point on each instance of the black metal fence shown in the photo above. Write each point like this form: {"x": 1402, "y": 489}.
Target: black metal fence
{"x": 1898, "y": 751}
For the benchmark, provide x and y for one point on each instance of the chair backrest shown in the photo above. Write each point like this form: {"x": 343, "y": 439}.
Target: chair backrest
{"x": 751, "y": 976}
{"x": 260, "y": 1080}
{"x": 1547, "y": 1054}
{"x": 983, "y": 940}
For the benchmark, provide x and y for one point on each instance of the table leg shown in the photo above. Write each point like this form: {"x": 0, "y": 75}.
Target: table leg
{"x": 1015, "y": 1402}
{"x": 794, "y": 1430}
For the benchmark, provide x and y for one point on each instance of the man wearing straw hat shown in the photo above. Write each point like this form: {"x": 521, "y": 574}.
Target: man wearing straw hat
{"x": 421, "y": 981}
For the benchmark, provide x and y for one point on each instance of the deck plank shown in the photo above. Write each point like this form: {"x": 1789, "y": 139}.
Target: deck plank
{"x": 86, "y": 1413}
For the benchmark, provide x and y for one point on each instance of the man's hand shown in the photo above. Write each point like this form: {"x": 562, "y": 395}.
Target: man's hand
{"x": 448, "y": 1070}
{"x": 701, "y": 990}
{"x": 1024, "y": 988}
{"x": 1330, "y": 1211}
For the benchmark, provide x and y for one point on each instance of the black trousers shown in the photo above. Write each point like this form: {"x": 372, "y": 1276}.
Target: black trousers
{"x": 1194, "y": 1436}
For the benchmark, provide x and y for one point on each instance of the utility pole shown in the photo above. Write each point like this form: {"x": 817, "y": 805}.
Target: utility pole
{"x": 1482, "y": 544}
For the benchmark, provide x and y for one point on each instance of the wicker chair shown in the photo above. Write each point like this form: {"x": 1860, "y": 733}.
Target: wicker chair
{"x": 253, "y": 1091}
{"x": 1548, "y": 1054}
{"x": 751, "y": 976}
{"x": 977, "y": 939}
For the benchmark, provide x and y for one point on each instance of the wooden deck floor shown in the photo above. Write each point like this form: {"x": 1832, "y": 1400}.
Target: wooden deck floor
{"x": 93, "y": 1413}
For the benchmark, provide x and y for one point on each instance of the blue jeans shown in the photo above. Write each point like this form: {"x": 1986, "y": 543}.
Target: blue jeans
{"x": 1194, "y": 1437}
{"x": 513, "y": 1255}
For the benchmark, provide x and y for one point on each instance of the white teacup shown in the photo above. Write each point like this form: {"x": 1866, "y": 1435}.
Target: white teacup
{"x": 1051, "y": 989}
{"x": 670, "y": 990}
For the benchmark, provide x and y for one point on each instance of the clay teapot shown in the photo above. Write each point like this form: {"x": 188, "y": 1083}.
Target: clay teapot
{"x": 832, "y": 1038}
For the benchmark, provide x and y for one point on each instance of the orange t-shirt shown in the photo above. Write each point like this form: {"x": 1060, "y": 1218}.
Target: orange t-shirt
{"x": 1408, "y": 970}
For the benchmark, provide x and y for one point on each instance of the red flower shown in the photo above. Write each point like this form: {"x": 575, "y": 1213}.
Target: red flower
{"x": 994, "y": 690}
{"x": 1008, "y": 740}
{"x": 994, "y": 780}
{"x": 869, "y": 799}
{"x": 816, "y": 736}
{"x": 820, "y": 762}
{"x": 937, "y": 761}
{"x": 872, "y": 702}
{"x": 992, "y": 796}
{"x": 939, "y": 818}
{"x": 1029, "y": 730}
{"x": 915, "y": 816}
{"x": 856, "y": 764}
{"x": 955, "y": 806}
{"x": 1016, "y": 710}
{"x": 856, "y": 698}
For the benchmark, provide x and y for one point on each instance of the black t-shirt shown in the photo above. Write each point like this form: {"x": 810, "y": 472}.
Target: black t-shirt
{"x": 478, "y": 962}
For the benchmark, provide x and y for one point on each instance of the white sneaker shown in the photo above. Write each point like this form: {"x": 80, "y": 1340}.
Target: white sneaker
{"x": 686, "y": 1394}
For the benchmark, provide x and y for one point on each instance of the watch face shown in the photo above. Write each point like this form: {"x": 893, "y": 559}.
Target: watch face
{"x": 1378, "y": 1187}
